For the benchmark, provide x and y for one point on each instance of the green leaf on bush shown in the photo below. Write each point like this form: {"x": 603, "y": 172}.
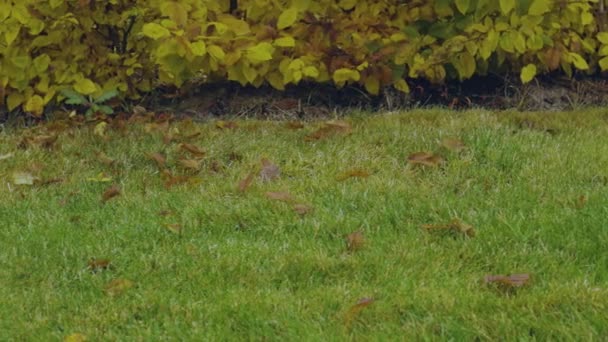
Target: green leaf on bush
{"x": 539, "y": 7}
{"x": 155, "y": 31}
{"x": 287, "y": 18}
{"x": 506, "y": 6}
{"x": 578, "y": 61}
{"x": 603, "y": 63}
{"x": 462, "y": 5}
{"x": 106, "y": 96}
{"x": 527, "y": 73}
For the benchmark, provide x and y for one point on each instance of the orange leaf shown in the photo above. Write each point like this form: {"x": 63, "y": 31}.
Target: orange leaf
{"x": 355, "y": 241}
{"x": 269, "y": 171}
{"x": 280, "y": 196}
{"x": 171, "y": 180}
{"x": 425, "y": 158}
{"x": 246, "y": 182}
{"x": 329, "y": 129}
{"x": 110, "y": 193}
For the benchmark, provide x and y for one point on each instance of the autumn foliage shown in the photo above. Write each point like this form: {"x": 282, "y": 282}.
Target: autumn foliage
{"x": 94, "y": 46}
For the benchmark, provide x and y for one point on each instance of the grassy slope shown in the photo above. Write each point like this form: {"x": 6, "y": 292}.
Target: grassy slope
{"x": 248, "y": 267}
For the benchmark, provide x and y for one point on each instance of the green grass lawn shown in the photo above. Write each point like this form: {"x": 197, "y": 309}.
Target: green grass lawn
{"x": 201, "y": 259}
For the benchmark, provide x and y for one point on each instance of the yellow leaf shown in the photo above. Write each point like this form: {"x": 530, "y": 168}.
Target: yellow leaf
{"x": 198, "y": 48}
{"x": 402, "y": 86}
{"x": 75, "y": 337}
{"x": 539, "y": 7}
{"x": 343, "y": 75}
{"x": 34, "y": 105}
{"x": 604, "y": 63}
{"x": 260, "y": 53}
{"x": 175, "y": 11}
{"x": 41, "y": 63}
{"x": 578, "y": 61}
{"x": 285, "y": 42}
{"x": 372, "y": 85}
{"x": 527, "y": 73}
{"x": 100, "y": 129}
{"x": 216, "y": 52}
{"x": 14, "y": 100}
{"x": 85, "y": 86}
{"x": 287, "y": 18}
{"x": 506, "y": 6}
{"x": 347, "y": 4}
{"x": 155, "y": 31}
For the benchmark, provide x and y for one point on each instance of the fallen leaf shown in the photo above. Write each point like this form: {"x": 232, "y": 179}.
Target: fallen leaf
{"x": 302, "y": 209}
{"x": 75, "y": 337}
{"x": 6, "y": 156}
{"x": 455, "y": 225}
{"x": 581, "y": 202}
{"x": 329, "y": 129}
{"x": 171, "y": 180}
{"x": 190, "y": 164}
{"x": 165, "y": 213}
{"x": 118, "y": 286}
{"x": 269, "y": 171}
{"x": 104, "y": 159}
{"x": 194, "y": 150}
{"x": 100, "y": 129}
{"x": 101, "y": 178}
{"x": 173, "y": 228}
{"x": 139, "y": 110}
{"x": 158, "y": 158}
{"x": 356, "y": 309}
{"x": 226, "y": 124}
{"x": 96, "y": 265}
{"x": 294, "y": 125}
{"x": 353, "y": 173}
{"x": 453, "y": 144}
{"x": 24, "y": 178}
{"x": 355, "y": 241}
{"x": 280, "y": 196}
{"x": 246, "y": 182}
{"x": 49, "y": 181}
{"x": 110, "y": 193}
{"x": 510, "y": 281}
{"x": 425, "y": 158}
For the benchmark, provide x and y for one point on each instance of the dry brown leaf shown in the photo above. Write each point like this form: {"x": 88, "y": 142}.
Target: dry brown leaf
{"x": 104, "y": 159}
{"x": 353, "y": 173}
{"x": 165, "y": 213}
{"x": 246, "y": 182}
{"x": 329, "y": 129}
{"x": 193, "y": 149}
{"x": 510, "y": 281}
{"x": 581, "y": 202}
{"x": 173, "y": 227}
{"x": 425, "y": 158}
{"x": 49, "y": 181}
{"x": 294, "y": 125}
{"x": 96, "y": 265}
{"x": 110, "y": 193}
{"x": 24, "y": 178}
{"x": 171, "y": 180}
{"x": 453, "y": 144}
{"x": 190, "y": 164}
{"x": 117, "y": 287}
{"x": 302, "y": 209}
{"x": 355, "y": 241}
{"x": 356, "y": 309}
{"x": 455, "y": 225}
{"x": 158, "y": 158}
{"x": 269, "y": 170}
{"x": 280, "y": 196}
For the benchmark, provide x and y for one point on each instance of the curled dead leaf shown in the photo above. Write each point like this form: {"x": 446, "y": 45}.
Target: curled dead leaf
{"x": 158, "y": 158}
{"x": 104, "y": 159}
{"x": 355, "y": 241}
{"x": 246, "y": 182}
{"x": 353, "y": 173}
{"x": 95, "y": 265}
{"x": 174, "y": 228}
{"x": 456, "y": 225}
{"x": 508, "y": 281}
{"x": 190, "y": 164}
{"x": 356, "y": 309}
{"x": 110, "y": 193}
{"x": 280, "y": 196}
{"x": 425, "y": 159}
{"x": 453, "y": 144}
{"x": 171, "y": 180}
{"x": 193, "y": 149}
{"x": 302, "y": 209}
{"x": 269, "y": 171}
{"x": 330, "y": 128}
{"x": 118, "y": 286}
